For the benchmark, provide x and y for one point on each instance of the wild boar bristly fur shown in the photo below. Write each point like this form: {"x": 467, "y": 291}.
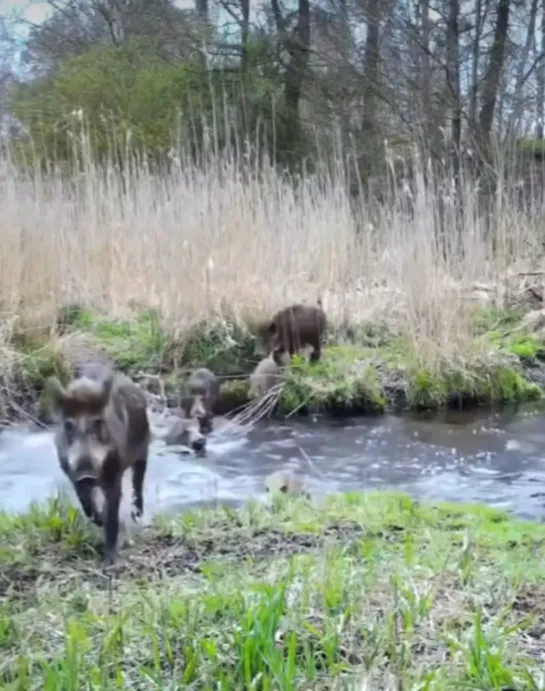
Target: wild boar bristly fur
{"x": 102, "y": 430}
{"x": 266, "y": 374}
{"x": 204, "y": 391}
{"x": 186, "y": 431}
{"x": 295, "y": 327}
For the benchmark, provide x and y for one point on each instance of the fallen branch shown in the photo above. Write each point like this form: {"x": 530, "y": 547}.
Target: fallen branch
{"x": 256, "y": 410}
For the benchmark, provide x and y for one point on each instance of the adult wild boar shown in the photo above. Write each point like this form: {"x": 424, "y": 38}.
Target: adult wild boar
{"x": 103, "y": 429}
{"x": 295, "y": 327}
{"x": 204, "y": 391}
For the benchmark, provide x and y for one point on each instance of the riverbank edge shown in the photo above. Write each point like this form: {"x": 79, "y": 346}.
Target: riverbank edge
{"x": 364, "y": 369}
{"x": 460, "y": 578}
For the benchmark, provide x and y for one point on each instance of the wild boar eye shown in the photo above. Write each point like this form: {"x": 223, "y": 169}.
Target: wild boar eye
{"x": 98, "y": 427}
{"x": 69, "y": 429}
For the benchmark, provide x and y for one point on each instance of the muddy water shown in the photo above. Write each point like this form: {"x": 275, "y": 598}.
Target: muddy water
{"x": 498, "y": 459}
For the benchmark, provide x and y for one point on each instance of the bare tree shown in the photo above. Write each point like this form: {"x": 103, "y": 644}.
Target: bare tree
{"x": 524, "y": 69}
{"x": 453, "y": 76}
{"x": 540, "y": 110}
{"x": 296, "y": 43}
{"x": 371, "y": 83}
{"x": 492, "y": 78}
{"x": 75, "y": 26}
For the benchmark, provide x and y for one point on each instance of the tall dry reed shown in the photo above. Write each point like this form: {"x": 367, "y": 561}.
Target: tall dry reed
{"x": 220, "y": 242}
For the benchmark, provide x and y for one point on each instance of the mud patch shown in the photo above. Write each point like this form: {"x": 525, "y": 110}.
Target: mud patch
{"x": 155, "y": 555}
{"x": 530, "y": 603}
{"x": 530, "y": 599}
{"x": 172, "y": 557}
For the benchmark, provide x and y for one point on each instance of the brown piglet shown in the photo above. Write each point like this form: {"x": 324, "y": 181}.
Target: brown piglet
{"x": 295, "y": 327}
{"x": 204, "y": 391}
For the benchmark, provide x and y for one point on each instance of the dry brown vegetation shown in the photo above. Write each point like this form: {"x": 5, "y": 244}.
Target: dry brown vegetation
{"x": 219, "y": 242}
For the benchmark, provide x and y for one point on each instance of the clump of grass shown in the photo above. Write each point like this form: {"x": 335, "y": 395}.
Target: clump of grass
{"x": 504, "y": 330}
{"x": 527, "y": 347}
{"x": 344, "y": 380}
{"x": 130, "y": 343}
{"x": 278, "y": 597}
{"x": 234, "y": 393}
{"x": 497, "y": 320}
{"x": 23, "y": 376}
{"x": 57, "y": 522}
{"x": 482, "y": 381}
{"x": 357, "y": 379}
{"x": 225, "y": 347}
{"x": 142, "y": 343}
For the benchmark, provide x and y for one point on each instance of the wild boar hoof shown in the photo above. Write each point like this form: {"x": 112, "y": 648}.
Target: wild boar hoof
{"x": 97, "y": 520}
{"x": 110, "y": 557}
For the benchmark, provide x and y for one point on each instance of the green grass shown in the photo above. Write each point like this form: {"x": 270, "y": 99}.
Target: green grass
{"x": 142, "y": 343}
{"x": 354, "y": 379}
{"x": 130, "y": 342}
{"x": 346, "y": 379}
{"x": 504, "y": 330}
{"x": 491, "y": 319}
{"x": 365, "y": 589}
{"x": 364, "y": 368}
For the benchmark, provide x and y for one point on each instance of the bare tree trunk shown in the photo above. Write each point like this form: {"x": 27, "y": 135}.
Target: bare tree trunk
{"x": 503, "y": 91}
{"x": 494, "y": 71}
{"x": 113, "y": 16}
{"x": 476, "y": 54}
{"x": 202, "y": 10}
{"x": 429, "y": 129}
{"x": 371, "y": 79}
{"x": 521, "y": 77}
{"x": 201, "y": 7}
{"x": 453, "y": 90}
{"x": 453, "y": 78}
{"x": 541, "y": 80}
{"x": 245, "y": 32}
{"x": 297, "y": 45}
{"x": 346, "y": 34}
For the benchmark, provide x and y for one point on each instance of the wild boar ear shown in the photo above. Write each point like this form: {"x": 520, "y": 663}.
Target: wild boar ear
{"x": 56, "y": 394}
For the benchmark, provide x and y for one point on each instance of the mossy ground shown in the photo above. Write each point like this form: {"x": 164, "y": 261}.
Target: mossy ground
{"x": 356, "y": 378}
{"x": 364, "y": 369}
{"x": 366, "y": 591}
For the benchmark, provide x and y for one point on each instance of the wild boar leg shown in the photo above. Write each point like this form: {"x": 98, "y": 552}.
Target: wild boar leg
{"x": 85, "y": 490}
{"x": 206, "y": 424}
{"x": 111, "y": 524}
{"x": 315, "y": 354}
{"x": 138, "y": 473}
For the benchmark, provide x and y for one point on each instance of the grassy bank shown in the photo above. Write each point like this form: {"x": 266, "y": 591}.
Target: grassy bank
{"x": 368, "y": 591}
{"x": 367, "y": 371}
{"x": 173, "y": 272}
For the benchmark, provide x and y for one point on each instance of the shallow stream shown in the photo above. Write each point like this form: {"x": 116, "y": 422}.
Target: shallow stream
{"x": 493, "y": 458}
